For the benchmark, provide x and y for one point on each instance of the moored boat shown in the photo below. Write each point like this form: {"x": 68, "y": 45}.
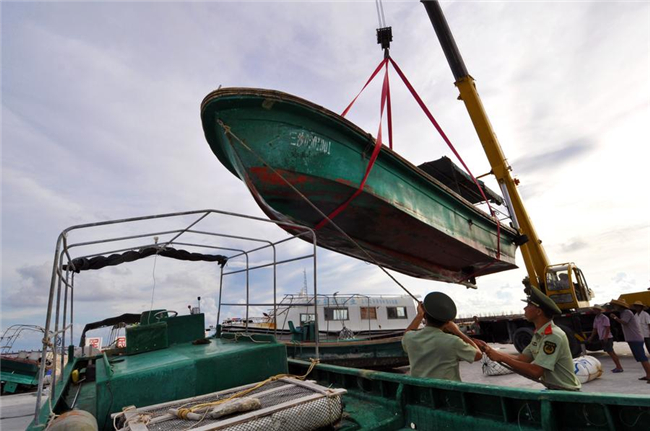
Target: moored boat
{"x": 355, "y": 330}
{"x": 295, "y": 156}
{"x": 168, "y": 365}
{"x": 19, "y": 369}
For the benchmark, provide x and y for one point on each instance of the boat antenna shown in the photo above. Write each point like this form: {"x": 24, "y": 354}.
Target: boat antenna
{"x": 153, "y": 274}
{"x": 384, "y": 32}
{"x": 303, "y": 291}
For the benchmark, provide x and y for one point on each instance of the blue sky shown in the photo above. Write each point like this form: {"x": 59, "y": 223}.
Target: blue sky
{"x": 100, "y": 120}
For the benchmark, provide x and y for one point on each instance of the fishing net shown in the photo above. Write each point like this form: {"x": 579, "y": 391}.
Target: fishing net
{"x": 286, "y": 404}
{"x": 492, "y": 368}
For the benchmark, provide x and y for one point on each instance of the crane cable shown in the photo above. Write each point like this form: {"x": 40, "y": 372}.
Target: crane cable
{"x": 384, "y": 37}
{"x": 380, "y": 13}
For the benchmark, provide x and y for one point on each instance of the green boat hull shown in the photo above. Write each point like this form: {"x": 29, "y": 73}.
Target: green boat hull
{"x": 384, "y": 401}
{"x": 283, "y": 147}
{"x": 377, "y": 354}
{"x": 16, "y": 372}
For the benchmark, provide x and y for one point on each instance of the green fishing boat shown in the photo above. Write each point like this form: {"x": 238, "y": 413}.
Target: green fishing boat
{"x": 168, "y": 365}
{"x": 301, "y": 162}
{"x": 16, "y": 372}
{"x": 19, "y": 369}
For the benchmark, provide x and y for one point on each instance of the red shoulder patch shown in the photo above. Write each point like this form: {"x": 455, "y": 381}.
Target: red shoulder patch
{"x": 548, "y": 330}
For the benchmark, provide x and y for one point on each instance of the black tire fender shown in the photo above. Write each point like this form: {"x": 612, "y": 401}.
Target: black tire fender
{"x": 574, "y": 344}
{"x": 522, "y": 338}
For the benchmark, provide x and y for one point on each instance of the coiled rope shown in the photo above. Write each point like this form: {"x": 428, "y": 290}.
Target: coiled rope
{"x": 184, "y": 411}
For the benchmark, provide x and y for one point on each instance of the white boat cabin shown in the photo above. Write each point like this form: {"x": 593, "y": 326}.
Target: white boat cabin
{"x": 361, "y": 314}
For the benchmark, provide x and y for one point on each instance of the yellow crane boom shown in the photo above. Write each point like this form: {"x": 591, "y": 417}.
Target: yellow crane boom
{"x": 564, "y": 283}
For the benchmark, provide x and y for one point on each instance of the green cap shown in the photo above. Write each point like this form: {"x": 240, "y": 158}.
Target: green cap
{"x": 538, "y": 299}
{"x": 440, "y": 306}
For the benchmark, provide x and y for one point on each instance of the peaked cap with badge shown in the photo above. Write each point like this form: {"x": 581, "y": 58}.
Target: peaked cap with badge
{"x": 538, "y": 299}
{"x": 439, "y": 306}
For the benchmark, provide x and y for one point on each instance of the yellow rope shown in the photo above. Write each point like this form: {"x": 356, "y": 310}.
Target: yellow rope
{"x": 183, "y": 412}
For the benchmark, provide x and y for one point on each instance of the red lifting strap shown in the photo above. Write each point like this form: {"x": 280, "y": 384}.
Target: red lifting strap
{"x": 385, "y": 100}
{"x": 375, "y": 151}
{"x": 451, "y": 146}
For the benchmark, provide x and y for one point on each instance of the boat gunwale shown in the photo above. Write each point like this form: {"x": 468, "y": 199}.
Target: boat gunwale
{"x": 342, "y": 343}
{"x": 636, "y": 400}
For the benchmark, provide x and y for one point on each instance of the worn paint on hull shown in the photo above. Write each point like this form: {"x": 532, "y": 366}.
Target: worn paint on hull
{"x": 405, "y": 219}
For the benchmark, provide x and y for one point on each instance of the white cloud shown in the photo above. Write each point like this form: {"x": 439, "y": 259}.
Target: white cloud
{"x": 101, "y": 121}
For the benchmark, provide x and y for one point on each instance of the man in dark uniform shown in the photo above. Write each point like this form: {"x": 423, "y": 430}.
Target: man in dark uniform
{"x": 548, "y": 357}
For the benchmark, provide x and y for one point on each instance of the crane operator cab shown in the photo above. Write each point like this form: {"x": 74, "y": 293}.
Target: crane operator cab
{"x": 566, "y": 285}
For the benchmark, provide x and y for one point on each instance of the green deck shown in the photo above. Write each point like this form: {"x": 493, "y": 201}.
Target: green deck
{"x": 374, "y": 400}
{"x": 146, "y": 376}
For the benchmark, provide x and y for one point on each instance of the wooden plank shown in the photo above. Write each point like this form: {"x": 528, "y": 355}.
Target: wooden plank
{"x": 309, "y": 385}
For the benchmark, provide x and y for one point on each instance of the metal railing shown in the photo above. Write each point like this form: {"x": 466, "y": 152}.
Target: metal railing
{"x": 63, "y": 267}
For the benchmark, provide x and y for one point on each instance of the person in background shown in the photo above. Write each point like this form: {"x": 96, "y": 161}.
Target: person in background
{"x": 603, "y": 331}
{"x": 435, "y": 350}
{"x": 564, "y": 280}
{"x": 643, "y": 318}
{"x": 476, "y": 326}
{"x": 547, "y": 358}
{"x": 632, "y": 334}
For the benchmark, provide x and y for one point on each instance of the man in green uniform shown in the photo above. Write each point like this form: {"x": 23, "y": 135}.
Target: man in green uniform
{"x": 547, "y": 358}
{"x": 434, "y": 351}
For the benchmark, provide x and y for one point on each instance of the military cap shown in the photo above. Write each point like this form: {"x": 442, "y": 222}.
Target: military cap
{"x": 538, "y": 299}
{"x": 439, "y": 306}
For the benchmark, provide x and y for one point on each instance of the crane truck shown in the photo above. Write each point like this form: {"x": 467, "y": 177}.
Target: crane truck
{"x": 564, "y": 283}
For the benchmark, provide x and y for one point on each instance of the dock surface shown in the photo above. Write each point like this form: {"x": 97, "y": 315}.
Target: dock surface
{"x": 626, "y": 382}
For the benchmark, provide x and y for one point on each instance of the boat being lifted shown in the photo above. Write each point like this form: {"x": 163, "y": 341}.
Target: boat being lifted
{"x": 301, "y": 162}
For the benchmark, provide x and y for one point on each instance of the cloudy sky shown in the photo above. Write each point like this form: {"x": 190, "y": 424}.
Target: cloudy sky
{"x": 100, "y": 120}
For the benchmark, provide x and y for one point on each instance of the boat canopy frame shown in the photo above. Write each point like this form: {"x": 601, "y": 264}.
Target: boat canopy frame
{"x": 64, "y": 271}
{"x": 12, "y": 333}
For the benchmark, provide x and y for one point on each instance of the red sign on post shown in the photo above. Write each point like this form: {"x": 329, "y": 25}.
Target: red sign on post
{"x": 121, "y": 342}
{"x": 95, "y": 342}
